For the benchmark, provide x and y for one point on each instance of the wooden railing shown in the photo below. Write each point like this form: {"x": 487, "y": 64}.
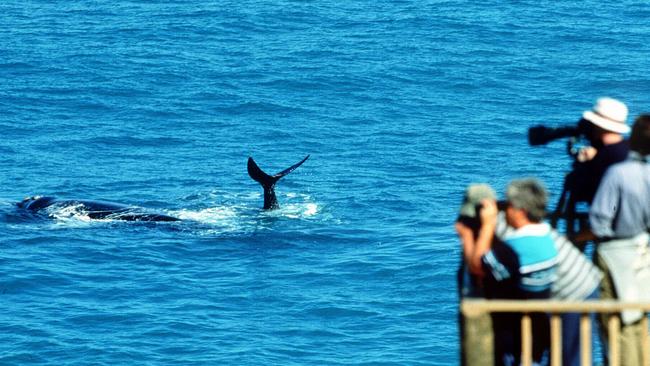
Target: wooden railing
{"x": 472, "y": 308}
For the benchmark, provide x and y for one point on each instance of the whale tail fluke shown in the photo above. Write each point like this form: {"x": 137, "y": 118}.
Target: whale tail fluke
{"x": 268, "y": 181}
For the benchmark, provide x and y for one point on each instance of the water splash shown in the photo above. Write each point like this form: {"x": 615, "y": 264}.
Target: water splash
{"x": 68, "y": 214}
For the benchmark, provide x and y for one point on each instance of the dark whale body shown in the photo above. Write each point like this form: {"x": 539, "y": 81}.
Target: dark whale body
{"x": 96, "y": 210}
{"x": 99, "y": 210}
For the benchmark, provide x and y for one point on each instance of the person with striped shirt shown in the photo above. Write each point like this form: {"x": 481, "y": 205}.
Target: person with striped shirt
{"x": 523, "y": 268}
{"x": 577, "y": 279}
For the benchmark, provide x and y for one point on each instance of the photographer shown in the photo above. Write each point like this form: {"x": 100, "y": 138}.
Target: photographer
{"x": 522, "y": 267}
{"x": 604, "y": 128}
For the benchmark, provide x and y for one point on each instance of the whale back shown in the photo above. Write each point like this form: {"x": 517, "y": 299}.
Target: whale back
{"x": 36, "y": 203}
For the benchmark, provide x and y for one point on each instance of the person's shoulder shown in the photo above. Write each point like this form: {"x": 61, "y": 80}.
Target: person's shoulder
{"x": 618, "y": 171}
{"x": 530, "y": 231}
{"x": 532, "y": 239}
{"x": 618, "y": 150}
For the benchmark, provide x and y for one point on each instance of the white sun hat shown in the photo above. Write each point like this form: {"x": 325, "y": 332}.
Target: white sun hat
{"x": 608, "y": 114}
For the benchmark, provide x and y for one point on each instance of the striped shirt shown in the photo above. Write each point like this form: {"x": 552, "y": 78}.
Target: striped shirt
{"x": 576, "y": 276}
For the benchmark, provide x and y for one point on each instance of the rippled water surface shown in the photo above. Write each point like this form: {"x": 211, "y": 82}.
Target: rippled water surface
{"x": 159, "y": 104}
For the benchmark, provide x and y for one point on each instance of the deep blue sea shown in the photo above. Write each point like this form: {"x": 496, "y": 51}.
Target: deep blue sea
{"x": 160, "y": 103}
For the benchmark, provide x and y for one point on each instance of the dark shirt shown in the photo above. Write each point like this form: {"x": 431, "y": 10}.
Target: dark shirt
{"x": 502, "y": 281}
{"x": 584, "y": 179}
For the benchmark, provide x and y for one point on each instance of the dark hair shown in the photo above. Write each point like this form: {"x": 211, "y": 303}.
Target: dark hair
{"x": 640, "y": 138}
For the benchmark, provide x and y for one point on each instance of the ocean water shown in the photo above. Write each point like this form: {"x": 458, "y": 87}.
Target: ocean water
{"x": 159, "y": 104}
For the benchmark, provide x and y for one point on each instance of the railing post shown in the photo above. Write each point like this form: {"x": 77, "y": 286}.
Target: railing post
{"x": 585, "y": 339}
{"x": 526, "y": 340}
{"x": 614, "y": 353}
{"x": 645, "y": 339}
{"x": 557, "y": 308}
{"x": 556, "y": 340}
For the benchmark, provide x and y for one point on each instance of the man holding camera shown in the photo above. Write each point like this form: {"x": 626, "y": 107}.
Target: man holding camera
{"x": 604, "y": 129}
{"x": 524, "y": 267}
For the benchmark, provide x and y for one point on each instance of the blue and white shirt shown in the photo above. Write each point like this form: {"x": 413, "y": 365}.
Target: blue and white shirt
{"x": 533, "y": 267}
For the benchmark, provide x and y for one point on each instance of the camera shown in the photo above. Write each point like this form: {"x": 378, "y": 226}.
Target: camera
{"x": 542, "y": 135}
{"x": 501, "y": 205}
{"x": 566, "y": 209}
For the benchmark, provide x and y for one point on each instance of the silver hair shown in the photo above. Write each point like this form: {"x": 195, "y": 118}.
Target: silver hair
{"x": 529, "y": 195}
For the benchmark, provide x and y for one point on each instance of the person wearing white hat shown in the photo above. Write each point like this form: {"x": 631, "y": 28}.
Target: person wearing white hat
{"x": 606, "y": 124}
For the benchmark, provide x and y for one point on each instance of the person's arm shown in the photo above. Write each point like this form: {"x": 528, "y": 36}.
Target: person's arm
{"x": 486, "y": 233}
{"x": 466, "y": 237}
{"x": 604, "y": 207}
{"x": 583, "y": 237}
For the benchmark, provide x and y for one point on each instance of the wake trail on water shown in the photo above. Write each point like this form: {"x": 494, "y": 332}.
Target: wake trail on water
{"x": 216, "y": 219}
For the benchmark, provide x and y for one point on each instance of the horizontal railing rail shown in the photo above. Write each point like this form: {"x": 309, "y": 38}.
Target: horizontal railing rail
{"x": 476, "y": 307}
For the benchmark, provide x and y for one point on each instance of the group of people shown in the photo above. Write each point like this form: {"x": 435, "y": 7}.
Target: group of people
{"x": 509, "y": 252}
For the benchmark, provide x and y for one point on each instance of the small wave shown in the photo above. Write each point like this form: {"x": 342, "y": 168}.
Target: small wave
{"x": 130, "y": 141}
{"x": 253, "y": 107}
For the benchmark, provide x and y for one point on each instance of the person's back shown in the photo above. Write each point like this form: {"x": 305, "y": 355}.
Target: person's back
{"x": 537, "y": 256}
{"x": 620, "y": 220}
{"x": 613, "y": 217}
{"x": 586, "y": 176}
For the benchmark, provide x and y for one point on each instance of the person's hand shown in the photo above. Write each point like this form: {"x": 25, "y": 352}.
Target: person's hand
{"x": 580, "y": 239}
{"x": 489, "y": 212}
{"x": 586, "y": 153}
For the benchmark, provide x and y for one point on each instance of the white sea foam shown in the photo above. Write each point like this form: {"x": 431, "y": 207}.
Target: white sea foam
{"x": 68, "y": 213}
{"x": 74, "y": 216}
{"x": 297, "y": 210}
{"x": 212, "y": 215}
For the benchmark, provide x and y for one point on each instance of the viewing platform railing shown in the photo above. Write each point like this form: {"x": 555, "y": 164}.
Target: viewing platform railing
{"x": 471, "y": 308}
